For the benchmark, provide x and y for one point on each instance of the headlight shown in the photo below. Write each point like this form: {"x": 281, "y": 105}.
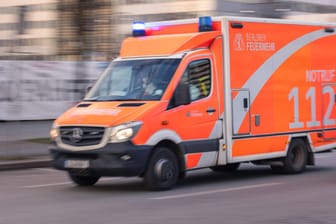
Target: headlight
{"x": 124, "y": 132}
{"x": 53, "y": 133}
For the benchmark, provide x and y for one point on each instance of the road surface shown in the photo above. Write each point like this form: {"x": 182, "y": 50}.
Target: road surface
{"x": 251, "y": 195}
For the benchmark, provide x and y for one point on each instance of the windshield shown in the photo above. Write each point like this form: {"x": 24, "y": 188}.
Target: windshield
{"x": 143, "y": 79}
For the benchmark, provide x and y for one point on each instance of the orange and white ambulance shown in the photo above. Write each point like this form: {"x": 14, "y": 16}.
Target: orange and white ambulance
{"x": 204, "y": 93}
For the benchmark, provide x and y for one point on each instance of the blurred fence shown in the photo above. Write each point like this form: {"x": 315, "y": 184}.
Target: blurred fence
{"x": 37, "y": 90}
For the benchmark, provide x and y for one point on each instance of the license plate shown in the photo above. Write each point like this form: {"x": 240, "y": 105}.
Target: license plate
{"x": 79, "y": 164}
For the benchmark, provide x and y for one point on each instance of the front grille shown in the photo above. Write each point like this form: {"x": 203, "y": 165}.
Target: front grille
{"x": 81, "y": 136}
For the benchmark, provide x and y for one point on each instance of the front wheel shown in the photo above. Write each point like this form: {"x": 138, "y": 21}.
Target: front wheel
{"x": 163, "y": 171}
{"x": 88, "y": 180}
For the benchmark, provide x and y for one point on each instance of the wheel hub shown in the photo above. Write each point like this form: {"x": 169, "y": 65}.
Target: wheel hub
{"x": 164, "y": 170}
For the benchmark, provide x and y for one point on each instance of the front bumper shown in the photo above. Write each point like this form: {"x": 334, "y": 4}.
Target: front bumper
{"x": 114, "y": 159}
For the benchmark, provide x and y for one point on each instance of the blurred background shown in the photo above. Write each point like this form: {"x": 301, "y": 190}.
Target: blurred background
{"x": 51, "y": 50}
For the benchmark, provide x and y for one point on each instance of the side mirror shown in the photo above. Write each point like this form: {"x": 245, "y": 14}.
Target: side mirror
{"x": 88, "y": 88}
{"x": 181, "y": 95}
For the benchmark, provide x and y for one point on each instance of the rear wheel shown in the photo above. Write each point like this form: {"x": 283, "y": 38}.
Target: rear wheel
{"x": 163, "y": 171}
{"x": 226, "y": 168}
{"x": 87, "y": 180}
{"x": 295, "y": 160}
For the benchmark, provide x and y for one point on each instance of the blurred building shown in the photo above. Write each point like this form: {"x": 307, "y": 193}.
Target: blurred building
{"x": 93, "y": 29}
{"x": 85, "y": 30}
{"x": 127, "y": 11}
{"x": 311, "y": 10}
{"x": 277, "y": 8}
{"x": 28, "y": 29}
{"x": 56, "y": 29}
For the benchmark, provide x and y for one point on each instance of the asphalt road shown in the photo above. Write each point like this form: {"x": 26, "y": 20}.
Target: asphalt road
{"x": 251, "y": 195}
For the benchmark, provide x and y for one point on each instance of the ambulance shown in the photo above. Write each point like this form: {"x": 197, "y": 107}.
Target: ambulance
{"x": 212, "y": 92}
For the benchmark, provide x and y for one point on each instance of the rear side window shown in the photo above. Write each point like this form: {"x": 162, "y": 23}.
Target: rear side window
{"x": 199, "y": 77}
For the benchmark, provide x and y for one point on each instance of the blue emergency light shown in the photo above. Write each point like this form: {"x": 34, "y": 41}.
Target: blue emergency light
{"x": 204, "y": 24}
{"x": 139, "y": 29}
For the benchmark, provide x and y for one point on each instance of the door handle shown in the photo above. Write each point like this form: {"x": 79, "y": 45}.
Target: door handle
{"x": 211, "y": 110}
{"x": 245, "y": 103}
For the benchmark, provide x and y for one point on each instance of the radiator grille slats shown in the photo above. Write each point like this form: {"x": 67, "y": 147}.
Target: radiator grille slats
{"x": 81, "y": 136}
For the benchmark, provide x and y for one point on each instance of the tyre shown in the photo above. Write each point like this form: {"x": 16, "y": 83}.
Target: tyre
{"x": 226, "y": 168}
{"x": 296, "y": 159}
{"x": 87, "y": 180}
{"x": 163, "y": 170}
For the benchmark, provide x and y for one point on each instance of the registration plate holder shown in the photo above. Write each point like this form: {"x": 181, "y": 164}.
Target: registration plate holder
{"x": 76, "y": 164}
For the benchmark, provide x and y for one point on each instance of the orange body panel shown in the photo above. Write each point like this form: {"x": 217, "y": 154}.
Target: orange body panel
{"x": 252, "y": 146}
{"x": 295, "y": 66}
{"x": 192, "y": 160}
{"x": 245, "y": 60}
{"x": 104, "y": 114}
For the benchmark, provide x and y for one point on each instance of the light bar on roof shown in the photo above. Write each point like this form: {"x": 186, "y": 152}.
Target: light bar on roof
{"x": 204, "y": 24}
{"x": 139, "y": 29}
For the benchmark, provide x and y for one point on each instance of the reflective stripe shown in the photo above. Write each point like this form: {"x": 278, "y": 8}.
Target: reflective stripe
{"x": 200, "y": 160}
{"x": 216, "y": 131}
{"x": 203, "y": 86}
{"x": 165, "y": 134}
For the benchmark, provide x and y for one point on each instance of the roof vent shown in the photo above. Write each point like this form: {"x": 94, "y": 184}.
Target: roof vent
{"x": 84, "y": 105}
{"x": 131, "y": 104}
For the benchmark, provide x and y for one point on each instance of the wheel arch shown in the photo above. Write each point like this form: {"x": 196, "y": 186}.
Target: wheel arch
{"x": 178, "y": 151}
{"x": 170, "y": 139}
{"x": 175, "y": 148}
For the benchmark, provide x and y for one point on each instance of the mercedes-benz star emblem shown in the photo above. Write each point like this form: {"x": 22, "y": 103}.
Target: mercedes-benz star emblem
{"x": 77, "y": 134}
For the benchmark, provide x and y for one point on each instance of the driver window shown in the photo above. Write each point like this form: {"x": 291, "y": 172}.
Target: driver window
{"x": 198, "y": 75}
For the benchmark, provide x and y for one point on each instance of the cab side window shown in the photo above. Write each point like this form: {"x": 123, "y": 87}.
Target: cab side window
{"x": 199, "y": 78}
{"x": 194, "y": 85}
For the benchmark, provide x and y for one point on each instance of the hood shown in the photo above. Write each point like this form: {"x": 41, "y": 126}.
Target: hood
{"x": 106, "y": 113}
